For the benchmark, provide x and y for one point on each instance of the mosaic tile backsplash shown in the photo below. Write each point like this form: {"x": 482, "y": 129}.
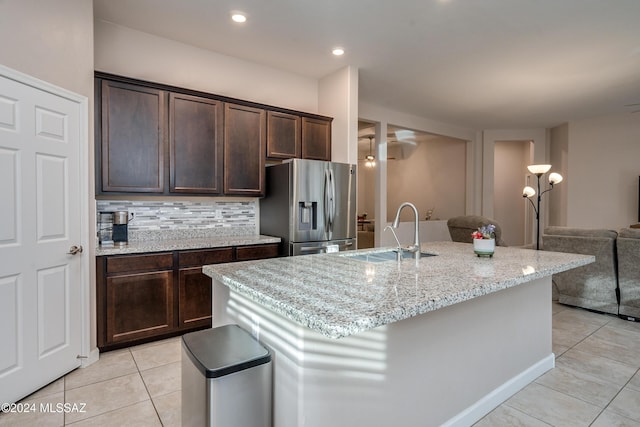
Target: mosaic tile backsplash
{"x": 173, "y": 220}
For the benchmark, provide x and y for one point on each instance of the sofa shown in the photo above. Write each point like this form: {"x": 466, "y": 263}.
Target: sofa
{"x": 628, "y": 250}
{"x": 461, "y": 227}
{"x": 612, "y": 283}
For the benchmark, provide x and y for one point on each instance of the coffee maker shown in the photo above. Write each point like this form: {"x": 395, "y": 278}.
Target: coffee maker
{"x": 105, "y": 229}
{"x": 120, "y": 228}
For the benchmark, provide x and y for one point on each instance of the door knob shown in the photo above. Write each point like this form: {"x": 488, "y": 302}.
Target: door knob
{"x": 73, "y": 250}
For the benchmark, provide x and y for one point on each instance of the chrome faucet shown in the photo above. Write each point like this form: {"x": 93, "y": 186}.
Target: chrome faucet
{"x": 395, "y": 236}
{"x": 415, "y": 248}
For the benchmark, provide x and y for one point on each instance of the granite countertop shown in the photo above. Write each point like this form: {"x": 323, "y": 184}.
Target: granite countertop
{"x": 186, "y": 243}
{"x": 338, "y": 296}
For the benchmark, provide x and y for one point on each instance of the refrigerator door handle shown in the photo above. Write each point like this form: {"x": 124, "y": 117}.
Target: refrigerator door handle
{"x": 312, "y": 248}
{"x": 333, "y": 198}
{"x": 319, "y": 249}
{"x": 328, "y": 199}
{"x": 325, "y": 207}
{"x": 325, "y": 248}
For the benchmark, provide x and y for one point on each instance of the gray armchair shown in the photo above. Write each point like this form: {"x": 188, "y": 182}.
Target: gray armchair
{"x": 461, "y": 227}
{"x": 592, "y": 286}
{"x": 629, "y": 272}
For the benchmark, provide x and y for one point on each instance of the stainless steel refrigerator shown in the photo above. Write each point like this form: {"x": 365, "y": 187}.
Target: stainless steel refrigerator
{"x": 311, "y": 205}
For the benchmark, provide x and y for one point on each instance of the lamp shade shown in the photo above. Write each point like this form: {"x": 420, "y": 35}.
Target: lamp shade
{"x": 528, "y": 192}
{"x": 539, "y": 169}
{"x": 555, "y": 178}
{"x": 370, "y": 161}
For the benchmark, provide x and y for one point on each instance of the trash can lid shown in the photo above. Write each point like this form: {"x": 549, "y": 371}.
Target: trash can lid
{"x": 224, "y": 350}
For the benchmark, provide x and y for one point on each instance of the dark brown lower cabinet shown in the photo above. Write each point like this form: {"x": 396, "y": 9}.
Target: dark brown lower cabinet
{"x": 141, "y": 304}
{"x": 147, "y": 297}
{"x": 195, "y": 298}
{"x": 194, "y": 287}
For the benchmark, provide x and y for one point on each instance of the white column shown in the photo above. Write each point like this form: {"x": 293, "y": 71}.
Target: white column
{"x": 381, "y": 181}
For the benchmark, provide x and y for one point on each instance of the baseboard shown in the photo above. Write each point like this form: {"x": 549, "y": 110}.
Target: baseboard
{"x": 629, "y": 318}
{"x": 93, "y": 357}
{"x": 494, "y": 398}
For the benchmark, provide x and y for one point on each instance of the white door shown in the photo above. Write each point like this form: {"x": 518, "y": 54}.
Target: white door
{"x": 40, "y": 220}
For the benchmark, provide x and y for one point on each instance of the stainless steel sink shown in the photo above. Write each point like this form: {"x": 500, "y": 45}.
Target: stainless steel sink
{"x": 386, "y": 256}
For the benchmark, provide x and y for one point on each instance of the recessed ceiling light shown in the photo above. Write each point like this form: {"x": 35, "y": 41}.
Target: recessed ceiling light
{"x": 338, "y": 51}
{"x": 238, "y": 17}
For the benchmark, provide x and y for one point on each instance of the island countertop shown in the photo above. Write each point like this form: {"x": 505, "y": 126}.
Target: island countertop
{"x": 339, "y": 295}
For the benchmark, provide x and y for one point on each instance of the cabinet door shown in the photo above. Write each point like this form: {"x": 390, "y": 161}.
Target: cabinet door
{"x": 244, "y": 150}
{"x": 194, "y": 308}
{"x": 195, "y": 144}
{"x": 283, "y": 135}
{"x": 138, "y": 306}
{"x": 132, "y": 138}
{"x": 316, "y": 139}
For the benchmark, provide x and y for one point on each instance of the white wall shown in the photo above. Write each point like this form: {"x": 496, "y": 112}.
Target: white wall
{"x": 539, "y": 139}
{"x": 602, "y": 173}
{"x": 430, "y": 231}
{"x": 123, "y": 51}
{"x": 433, "y": 176}
{"x": 559, "y": 157}
{"x": 53, "y": 41}
{"x": 366, "y": 189}
{"x": 511, "y": 160}
{"x": 338, "y": 98}
{"x": 382, "y": 117}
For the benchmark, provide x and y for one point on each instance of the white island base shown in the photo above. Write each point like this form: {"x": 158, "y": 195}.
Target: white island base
{"x": 450, "y": 366}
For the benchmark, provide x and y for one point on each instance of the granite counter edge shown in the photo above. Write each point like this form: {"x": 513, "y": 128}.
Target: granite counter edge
{"x": 151, "y": 246}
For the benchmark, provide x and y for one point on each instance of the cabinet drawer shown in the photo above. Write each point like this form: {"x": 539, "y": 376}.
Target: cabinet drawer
{"x": 245, "y": 253}
{"x": 204, "y": 257}
{"x": 129, "y": 263}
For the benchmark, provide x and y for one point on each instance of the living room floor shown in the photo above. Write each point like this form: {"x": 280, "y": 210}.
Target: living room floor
{"x": 596, "y": 382}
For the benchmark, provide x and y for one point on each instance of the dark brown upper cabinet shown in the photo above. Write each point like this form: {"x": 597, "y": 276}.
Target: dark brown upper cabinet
{"x": 132, "y": 126}
{"x": 284, "y": 135}
{"x": 316, "y": 138}
{"x": 244, "y": 150}
{"x": 195, "y": 144}
{"x": 157, "y": 139}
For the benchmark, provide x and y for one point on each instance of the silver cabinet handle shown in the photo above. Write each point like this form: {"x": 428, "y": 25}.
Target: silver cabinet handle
{"x": 74, "y": 250}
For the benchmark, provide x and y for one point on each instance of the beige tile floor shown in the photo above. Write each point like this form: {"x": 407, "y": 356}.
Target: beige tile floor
{"x": 596, "y": 383}
{"x": 136, "y": 386}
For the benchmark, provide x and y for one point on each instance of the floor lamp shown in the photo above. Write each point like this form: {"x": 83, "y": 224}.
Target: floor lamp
{"x": 529, "y": 192}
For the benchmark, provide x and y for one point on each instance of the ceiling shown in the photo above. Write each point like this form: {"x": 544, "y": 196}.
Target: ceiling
{"x": 479, "y": 64}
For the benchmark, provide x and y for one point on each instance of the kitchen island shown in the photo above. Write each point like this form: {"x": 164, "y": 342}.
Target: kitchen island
{"x": 439, "y": 341}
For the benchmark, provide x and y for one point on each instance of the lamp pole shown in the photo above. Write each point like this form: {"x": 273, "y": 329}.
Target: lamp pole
{"x": 538, "y": 213}
{"x": 528, "y": 192}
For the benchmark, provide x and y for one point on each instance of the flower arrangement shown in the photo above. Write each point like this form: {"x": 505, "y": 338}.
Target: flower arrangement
{"x": 485, "y": 232}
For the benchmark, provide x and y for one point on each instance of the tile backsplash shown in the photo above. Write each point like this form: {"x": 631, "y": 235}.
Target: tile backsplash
{"x": 169, "y": 220}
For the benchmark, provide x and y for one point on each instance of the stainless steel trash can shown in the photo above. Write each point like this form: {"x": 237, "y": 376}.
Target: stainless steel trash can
{"x": 226, "y": 379}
